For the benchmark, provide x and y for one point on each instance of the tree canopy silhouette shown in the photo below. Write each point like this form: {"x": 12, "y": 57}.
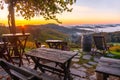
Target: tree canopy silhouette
{"x": 30, "y": 8}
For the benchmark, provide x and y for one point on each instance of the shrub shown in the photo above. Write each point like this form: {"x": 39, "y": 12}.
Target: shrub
{"x": 30, "y": 45}
{"x": 115, "y": 48}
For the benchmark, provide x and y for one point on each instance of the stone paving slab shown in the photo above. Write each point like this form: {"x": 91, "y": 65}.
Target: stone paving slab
{"x": 96, "y": 59}
{"x": 76, "y": 65}
{"x": 3, "y": 73}
{"x": 78, "y": 57}
{"x": 44, "y": 76}
{"x": 76, "y": 72}
{"x": 82, "y": 69}
{"x": 92, "y": 77}
{"x": 78, "y": 78}
{"x": 92, "y": 63}
{"x": 76, "y": 50}
{"x": 87, "y": 65}
{"x": 75, "y": 60}
{"x": 87, "y": 57}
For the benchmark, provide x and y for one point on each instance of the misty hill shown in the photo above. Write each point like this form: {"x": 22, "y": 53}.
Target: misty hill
{"x": 53, "y": 31}
{"x": 92, "y": 26}
{"x": 65, "y": 30}
{"x": 44, "y": 32}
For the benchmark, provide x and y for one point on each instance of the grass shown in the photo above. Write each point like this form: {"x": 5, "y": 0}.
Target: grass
{"x": 116, "y": 44}
{"x": 114, "y": 50}
{"x": 115, "y": 53}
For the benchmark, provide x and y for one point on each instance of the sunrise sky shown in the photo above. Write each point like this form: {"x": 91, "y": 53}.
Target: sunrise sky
{"x": 84, "y": 12}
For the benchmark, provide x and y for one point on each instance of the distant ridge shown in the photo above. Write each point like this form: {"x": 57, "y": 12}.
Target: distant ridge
{"x": 44, "y": 32}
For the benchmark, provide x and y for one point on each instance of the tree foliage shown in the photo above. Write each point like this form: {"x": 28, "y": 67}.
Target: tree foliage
{"x": 46, "y": 8}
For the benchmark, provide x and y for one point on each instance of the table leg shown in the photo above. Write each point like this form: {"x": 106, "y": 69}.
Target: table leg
{"x": 37, "y": 64}
{"x": 101, "y": 76}
{"x": 66, "y": 68}
{"x": 105, "y": 76}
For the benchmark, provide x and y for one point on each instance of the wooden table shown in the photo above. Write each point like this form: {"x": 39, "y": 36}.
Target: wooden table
{"x": 56, "y": 44}
{"x": 61, "y": 58}
{"x": 16, "y": 44}
{"x": 106, "y": 67}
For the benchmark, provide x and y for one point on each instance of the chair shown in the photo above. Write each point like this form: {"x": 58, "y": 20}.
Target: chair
{"x": 100, "y": 43}
{"x": 19, "y": 73}
{"x": 64, "y": 46}
{"x": 38, "y": 44}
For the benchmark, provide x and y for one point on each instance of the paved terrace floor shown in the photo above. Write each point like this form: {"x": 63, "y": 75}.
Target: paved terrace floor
{"x": 82, "y": 68}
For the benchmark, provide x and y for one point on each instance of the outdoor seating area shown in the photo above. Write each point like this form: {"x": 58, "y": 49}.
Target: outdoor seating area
{"x": 39, "y": 40}
{"x": 54, "y": 62}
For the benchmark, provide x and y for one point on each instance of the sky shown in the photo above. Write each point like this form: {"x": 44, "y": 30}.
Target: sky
{"x": 84, "y": 12}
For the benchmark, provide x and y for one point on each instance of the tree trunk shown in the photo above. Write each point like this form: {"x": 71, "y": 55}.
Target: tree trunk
{"x": 12, "y": 18}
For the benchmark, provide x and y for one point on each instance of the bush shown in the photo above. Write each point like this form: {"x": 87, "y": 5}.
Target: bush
{"x": 115, "y": 48}
{"x": 30, "y": 45}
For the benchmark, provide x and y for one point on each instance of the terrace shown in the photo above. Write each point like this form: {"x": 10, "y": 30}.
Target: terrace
{"x": 77, "y": 64}
{"x": 82, "y": 67}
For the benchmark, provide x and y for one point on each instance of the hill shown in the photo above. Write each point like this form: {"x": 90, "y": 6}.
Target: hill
{"x": 66, "y": 30}
{"x": 53, "y": 31}
{"x": 44, "y": 32}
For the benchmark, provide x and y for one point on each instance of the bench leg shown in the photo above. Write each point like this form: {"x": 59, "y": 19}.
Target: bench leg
{"x": 105, "y": 76}
{"x": 101, "y": 76}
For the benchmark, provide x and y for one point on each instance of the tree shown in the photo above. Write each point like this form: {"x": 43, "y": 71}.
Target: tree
{"x": 30, "y": 8}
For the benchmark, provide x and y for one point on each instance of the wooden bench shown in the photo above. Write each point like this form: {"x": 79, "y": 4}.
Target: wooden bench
{"x": 19, "y": 73}
{"x": 24, "y": 73}
{"x": 107, "y": 67}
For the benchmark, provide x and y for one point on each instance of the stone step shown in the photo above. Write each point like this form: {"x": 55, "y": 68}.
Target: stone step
{"x": 76, "y": 65}
{"x": 96, "y": 59}
{"x": 87, "y": 57}
{"x": 87, "y": 65}
{"x": 78, "y": 73}
{"x": 75, "y": 60}
{"x": 92, "y": 63}
{"x": 82, "y": 69}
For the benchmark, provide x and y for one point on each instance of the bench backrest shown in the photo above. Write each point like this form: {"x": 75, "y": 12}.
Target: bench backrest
{"x": 99, "y": 42}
